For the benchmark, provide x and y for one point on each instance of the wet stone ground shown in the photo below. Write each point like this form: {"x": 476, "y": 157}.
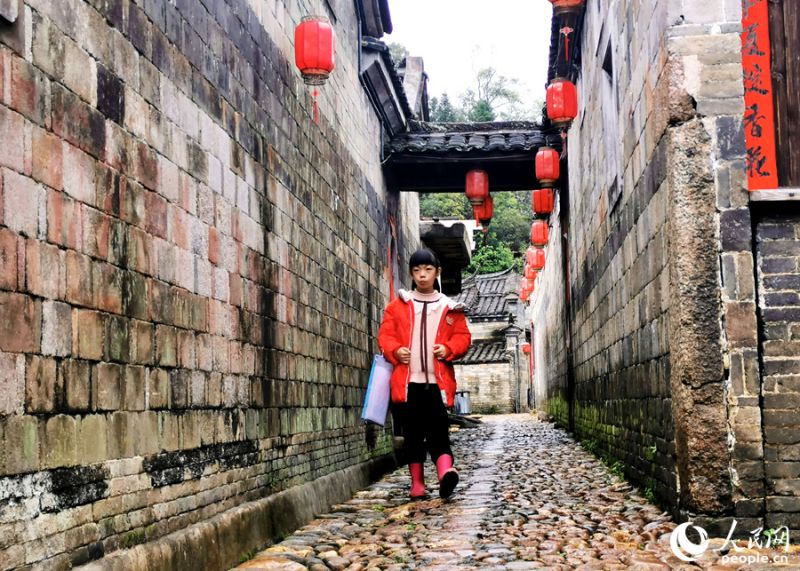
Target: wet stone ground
{"x": 530, "y": 497}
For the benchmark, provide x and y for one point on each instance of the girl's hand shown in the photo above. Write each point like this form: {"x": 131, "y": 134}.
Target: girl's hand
{"x": 439, "y": 351}
{"x": 403, "y": 355}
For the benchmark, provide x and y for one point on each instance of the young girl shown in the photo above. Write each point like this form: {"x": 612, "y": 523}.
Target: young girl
{"x": 422, "y": 333}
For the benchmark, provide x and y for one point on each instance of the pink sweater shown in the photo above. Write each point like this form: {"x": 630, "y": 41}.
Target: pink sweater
{"x": 424, "y": 345}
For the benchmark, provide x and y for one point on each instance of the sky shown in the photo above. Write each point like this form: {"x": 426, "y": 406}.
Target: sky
{"x": 457, "y": 38}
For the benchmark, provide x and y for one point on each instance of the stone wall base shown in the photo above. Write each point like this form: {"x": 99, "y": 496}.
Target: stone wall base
{"x": 220, "y": 542}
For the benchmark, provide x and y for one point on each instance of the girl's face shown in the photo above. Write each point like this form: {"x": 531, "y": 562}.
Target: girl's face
{"x": 424, "y": 277}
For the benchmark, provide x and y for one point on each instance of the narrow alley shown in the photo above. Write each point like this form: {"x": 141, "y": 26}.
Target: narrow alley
{"x": 531, "y": 498}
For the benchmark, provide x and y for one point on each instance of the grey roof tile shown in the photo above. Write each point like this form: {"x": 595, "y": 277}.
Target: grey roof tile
{"x": 491, "y": 352}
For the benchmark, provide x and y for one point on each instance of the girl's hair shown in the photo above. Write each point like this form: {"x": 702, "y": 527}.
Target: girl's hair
{"x": 423, "y": 257}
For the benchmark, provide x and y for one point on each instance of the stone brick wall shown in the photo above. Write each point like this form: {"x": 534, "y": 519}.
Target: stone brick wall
{"x": 491, "y": 386}
{"x": 778, "y": 235}
{"x": 191, "y": 269}
{"x": 549, "y": 338}
{"x": 661, "y": 291}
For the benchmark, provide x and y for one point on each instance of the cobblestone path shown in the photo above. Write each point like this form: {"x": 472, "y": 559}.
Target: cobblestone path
{"x": 529, "y": 498}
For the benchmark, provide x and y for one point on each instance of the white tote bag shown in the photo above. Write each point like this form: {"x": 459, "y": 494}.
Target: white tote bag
{"x": 376, "y": 403}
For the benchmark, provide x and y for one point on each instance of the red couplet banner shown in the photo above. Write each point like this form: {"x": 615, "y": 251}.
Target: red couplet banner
{"x": 759, "y": 114}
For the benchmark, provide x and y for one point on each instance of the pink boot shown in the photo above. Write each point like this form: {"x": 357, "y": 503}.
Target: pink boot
{"x": 448, "y": 476}
{"x": 417, "y": 481}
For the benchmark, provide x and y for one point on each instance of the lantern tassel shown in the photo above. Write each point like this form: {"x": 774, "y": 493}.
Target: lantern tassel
{"x": 316, "y": 107}
{"x": 563, "y": 143}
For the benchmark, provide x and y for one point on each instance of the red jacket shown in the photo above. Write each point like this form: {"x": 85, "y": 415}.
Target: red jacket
{"x": 396, "y": 330}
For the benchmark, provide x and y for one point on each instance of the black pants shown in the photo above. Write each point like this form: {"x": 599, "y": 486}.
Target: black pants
{"x": 424, "y": 423}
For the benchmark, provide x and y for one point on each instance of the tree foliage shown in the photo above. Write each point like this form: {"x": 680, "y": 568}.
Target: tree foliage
{"x": 509, "y": 231}
{"x": 398, "y": 53}
{"x": 491, "y": 258}
{"x": 442, "y": 110}
{"x": 445, "y": 205}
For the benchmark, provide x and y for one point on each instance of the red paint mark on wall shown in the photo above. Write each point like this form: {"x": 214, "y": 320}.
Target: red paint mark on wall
{"x": 759, "y": 115}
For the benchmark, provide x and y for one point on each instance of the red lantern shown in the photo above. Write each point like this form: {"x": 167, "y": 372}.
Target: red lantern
{"x": 548, "y": 166}
{"x": 562, "y": 101}
{"x": 531, "y": 274}
{"x": 566, "y": 5}
{"x": 526, "y": 289}
{"x": 529, "y": 255}
{"x": 483, "y": 212}
{"x": 537, "y": 259}
{"x": 314, "y": 49}
{"x": 539, "y": 233}
{"x": 526, "y": 348}
{"x": 477, "y": 186}
{"x": 314, "y": 52}
{"x": 543, "y": 202}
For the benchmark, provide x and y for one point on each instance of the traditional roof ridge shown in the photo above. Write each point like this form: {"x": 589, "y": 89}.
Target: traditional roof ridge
{"x": 417, "y": 127}
{"x": 490, "y": 351}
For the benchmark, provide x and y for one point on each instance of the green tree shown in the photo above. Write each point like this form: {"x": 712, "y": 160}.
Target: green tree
{"x": 490, "y": 258}
{"x": 442, "y": 110}
{"x": 445, "y": 205}
{"x": 511, "y": 224}
{"x": 482, "y": 112}
{"x": 494, "y": 95}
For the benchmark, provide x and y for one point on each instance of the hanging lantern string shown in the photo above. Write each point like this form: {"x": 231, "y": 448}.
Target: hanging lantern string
{"x": 563, "y": 143}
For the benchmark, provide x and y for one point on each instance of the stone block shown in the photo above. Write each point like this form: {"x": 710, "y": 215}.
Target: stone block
{"x": 59, "y": 440}
{"x": 107, "y": 388}
{"x": 23, "y": 455}
{"x": 88, "y": 330}
{"x": 166, "y": 346}
{"x": 79, "y": 178}
{"x": 23, "y": 203}
{"x": 12, "y": 383}
{"x": 142, "y": 342}
{"x": 79, "y": 279}
{"x": 740, "y": 324}
{"x": 186, "y": 349}
{"x": 198, "y": 389}
{"x": 118, "y": 339}
{"x": 8, "y": 257}
{"x": 80, "y": 72}
{"x": 221, "y": 352}
{"x": 158, "y": 389}
{"x": 28, "y": 90}
{"x": 110, "y": 95}
{"x": 121, "y": 434}
{"x": 147, "y": 430}
{"x": 107, "y": 287}
{"x": 135, "y": 388}
{"x": 45, "y": 272}
{"x": 47, "y": 160}
{"x": 16, "y": 133}
{"x": 42, "y": 391}
{"x": 64, "y": 220}
{"x": 76, "y": 381}
{"x": 214, "y": 389}
{"x": 140, "y": 251}
{"x": 77, "y": 122}
{"x": 92, "y": 434}
{"x": 56, "y": 328}
{"x": 96, "y": 233}
{"x": 20, "y": 323}
{"x": 180, "y": 385}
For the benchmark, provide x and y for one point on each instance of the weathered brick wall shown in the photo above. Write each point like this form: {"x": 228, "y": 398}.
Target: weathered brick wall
{"x": 191, "y": 270}
{"x": 490, "y": 385}
{"x": 618, "y": 249}
{"x": 549, "y": 339}
{"x": 663, "y": 341}
{"x": 778, "y": 234}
